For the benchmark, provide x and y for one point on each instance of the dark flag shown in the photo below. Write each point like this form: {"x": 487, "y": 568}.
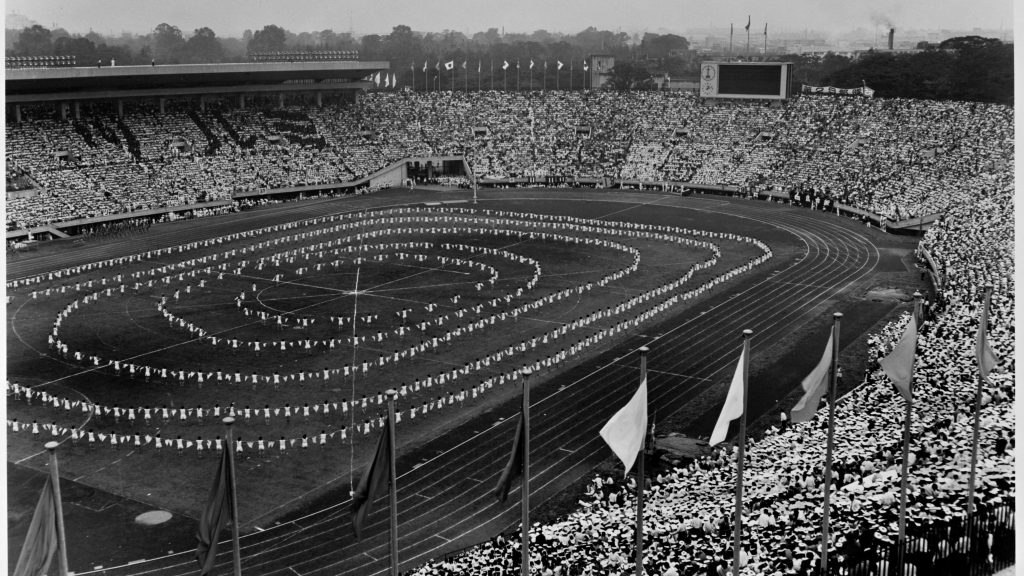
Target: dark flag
{"x": 41, "y": 542}
{"x": 216, "y": 515}
{"x": 514, "y": 467}
{"x": 374, "y": 479}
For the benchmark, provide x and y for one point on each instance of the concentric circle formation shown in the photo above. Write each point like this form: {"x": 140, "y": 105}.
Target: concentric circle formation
{"x": 297, "y": 329}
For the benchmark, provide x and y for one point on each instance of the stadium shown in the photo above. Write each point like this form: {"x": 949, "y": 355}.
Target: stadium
{"x": 284, "y": 242}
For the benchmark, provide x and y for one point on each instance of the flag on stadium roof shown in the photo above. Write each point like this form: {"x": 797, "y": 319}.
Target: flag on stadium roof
{"x": 624, "y": 432}
{"x": 560, "y": 64}
{"x": 531, "y": 63}
{"x": 733, "y": 407}
{"x": 449, "y": 65}
{"x": 505, "y": 65}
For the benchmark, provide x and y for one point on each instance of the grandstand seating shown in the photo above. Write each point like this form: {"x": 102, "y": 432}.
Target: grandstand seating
{"x": 897, "y": 158}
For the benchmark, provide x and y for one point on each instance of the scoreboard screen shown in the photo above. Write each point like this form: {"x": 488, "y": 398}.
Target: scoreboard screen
{"x": 752, "y": 80}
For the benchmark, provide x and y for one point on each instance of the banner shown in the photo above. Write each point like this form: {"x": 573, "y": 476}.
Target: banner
{"x": 864, "y": 91}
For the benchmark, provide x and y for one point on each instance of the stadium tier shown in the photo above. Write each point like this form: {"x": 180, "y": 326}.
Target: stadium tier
{"x": 895, "y": 158}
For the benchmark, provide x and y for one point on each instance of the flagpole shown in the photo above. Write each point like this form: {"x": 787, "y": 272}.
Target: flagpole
{"x": 730, "y": 41}
{"x": 525, "y": 564}
{"x": 983, "y": 328}
{"x": 901, "y": 545}
{"x": 544, "y": 85}
{"x": 572, "y": 70}
{"x": 739, "y": 458}
{"x": 640, "y": 479}
{"x": 62, "y": 548}
{"x": 391, "y": 393}
{"x": 531, "y": 75}
{"x": 235, "y": 548}
{"x": 836, "y": 317}
{"x": 517, "y": 75}
{"x": 766, "y": 40}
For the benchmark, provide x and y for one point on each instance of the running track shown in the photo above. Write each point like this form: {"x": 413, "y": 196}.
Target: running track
{"x": 447, "y": 503}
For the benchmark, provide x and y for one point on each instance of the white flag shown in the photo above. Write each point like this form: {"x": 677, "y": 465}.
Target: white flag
{"x": 449, "y": 65}
{"x": 624, "y": 432}
{"x": 505, "y": 65}
{"x": 387, "y": 81}
{"x": 531, "y": 63}
{"x": 733, "y": 407}
{"x": 560, "y": 64}
{"x": 585, "y": 67}
{"x": 394, "y": 80}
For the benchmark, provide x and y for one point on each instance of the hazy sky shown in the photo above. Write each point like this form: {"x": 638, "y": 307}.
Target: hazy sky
{"x": 231, "y": 17}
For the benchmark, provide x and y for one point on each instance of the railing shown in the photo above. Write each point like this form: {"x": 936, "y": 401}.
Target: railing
{"x": 948, "y": 548}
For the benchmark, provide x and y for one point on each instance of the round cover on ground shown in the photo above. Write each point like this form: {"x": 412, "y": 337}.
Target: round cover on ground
{"x": 153, "y": 517}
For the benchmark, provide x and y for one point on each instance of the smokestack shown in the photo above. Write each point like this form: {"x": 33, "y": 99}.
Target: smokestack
{"x": 892, "y": 32}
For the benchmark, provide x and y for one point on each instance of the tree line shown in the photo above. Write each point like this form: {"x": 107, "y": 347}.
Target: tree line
{"x": 966, "y": 68}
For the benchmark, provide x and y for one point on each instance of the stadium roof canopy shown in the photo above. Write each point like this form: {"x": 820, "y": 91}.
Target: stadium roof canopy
{"x": 81, "y": 83}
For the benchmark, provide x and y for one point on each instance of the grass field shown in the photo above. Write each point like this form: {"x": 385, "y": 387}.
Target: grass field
{"x": 404, "y": 266}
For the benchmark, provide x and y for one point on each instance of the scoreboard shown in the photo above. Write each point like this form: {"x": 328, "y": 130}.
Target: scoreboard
{"x": 752, "y": 80}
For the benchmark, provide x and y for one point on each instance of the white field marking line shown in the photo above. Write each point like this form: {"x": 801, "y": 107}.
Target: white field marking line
{"x": 377, "y": 291}
{"x": 379, "y": 286}
{"x": 427, "y": 268}
{"x": 800, "y": 284}
{"x": 294, "y": 570}
{"x": 327, "y": 298}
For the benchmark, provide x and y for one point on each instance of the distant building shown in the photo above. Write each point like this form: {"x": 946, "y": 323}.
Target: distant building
{"x": 600, "y": 69}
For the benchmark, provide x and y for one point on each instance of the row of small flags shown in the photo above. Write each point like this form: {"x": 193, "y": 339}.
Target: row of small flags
{"x": 625, "y": 434}
{"x": 389, "y": 81}
{"x": 450, "y": 65}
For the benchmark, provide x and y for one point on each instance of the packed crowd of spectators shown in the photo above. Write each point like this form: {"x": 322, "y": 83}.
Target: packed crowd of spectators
{"x": 893, "y": 157}
{"x": 688, "y": 509}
